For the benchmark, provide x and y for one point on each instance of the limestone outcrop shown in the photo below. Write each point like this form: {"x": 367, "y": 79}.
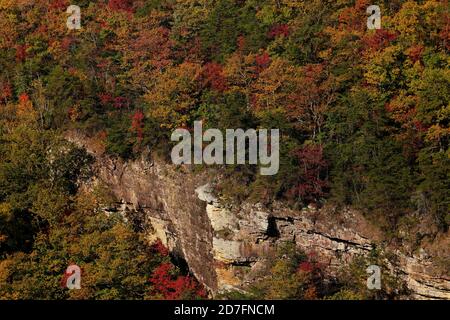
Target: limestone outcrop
{"x": 224, "y": 246}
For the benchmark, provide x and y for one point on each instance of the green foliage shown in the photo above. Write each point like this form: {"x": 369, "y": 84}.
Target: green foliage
{"x": 352, "y": 280}
{"x": 291, "y": 275}
{"x": 363, "y": 114}
{"x": 116, "y": 262}
{"x": 363, "y": 153}
{"x": 375, "y": 101}
{"x": 48, "y": 224}
{"x": 39, "y": 173}
{"x": 225, "y": 23}
{"x": 119, "y": 139}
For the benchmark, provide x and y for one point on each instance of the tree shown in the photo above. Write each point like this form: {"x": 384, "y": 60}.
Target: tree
{"x": 168, "y": 285}
{"x": 174, "y": 96}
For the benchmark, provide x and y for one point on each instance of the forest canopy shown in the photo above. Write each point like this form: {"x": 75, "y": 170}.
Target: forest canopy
{"x": 363, "y": 116}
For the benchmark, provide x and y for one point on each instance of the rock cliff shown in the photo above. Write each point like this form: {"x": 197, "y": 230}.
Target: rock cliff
{"x": 224, "y": 247}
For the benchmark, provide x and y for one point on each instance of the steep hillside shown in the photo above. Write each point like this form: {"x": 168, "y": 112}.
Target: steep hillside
{"x": 341, "y": 161}
{"x": 228, "y": 248}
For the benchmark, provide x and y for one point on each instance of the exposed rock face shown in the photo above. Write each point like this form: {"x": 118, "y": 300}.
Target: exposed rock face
{"x": 245, "y": 236}
{"x": 225, "y": 248}
{"x": 422, "y": 282}
{"x": 168, "y": 201}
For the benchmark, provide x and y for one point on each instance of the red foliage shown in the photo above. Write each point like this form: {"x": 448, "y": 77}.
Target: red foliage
{"x": 420, "y": 126}
{"x": 154, "y": 45}
{"x": 279, "y": 30}
{"x": 105, "y": 98}
{"x": 72, "y": 71}
{"x": 354, "y": 18}
{"x": 117, "y": 102}
{"x": 262, "y": 61}
{"x": 58, "y": 4}
{"x": 71, "y": 113}
{"x": 121, "y": 102}
{"x": 309, "y": 185}
{"x": 5, "y": 91}
{"x": 42, "y": 29}
{"x": 66, "y": 43}
{"x": 137, "y": 123}
{"x": 213, "y": 76}
{"x": 312, "y": 273}
{"x": 313, "y": 70}
{"x": 194, "y": 49}
{"x": 124, "y": 5}
{"x": 21, "y": 52}
{"x": 24, "y": 98}
{"x": 415, "y": 53}
{"x": 379, "y": 39}
{"x": 306, "y": 266}
{"x": 310, "y": 265}
{"x": 172, "y": 287}
{"x": 103, "y": 63}
{"x": 159, "y": 248}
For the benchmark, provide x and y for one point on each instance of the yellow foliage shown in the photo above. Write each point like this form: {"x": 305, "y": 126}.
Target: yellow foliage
{"x": 173, "y": 95}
